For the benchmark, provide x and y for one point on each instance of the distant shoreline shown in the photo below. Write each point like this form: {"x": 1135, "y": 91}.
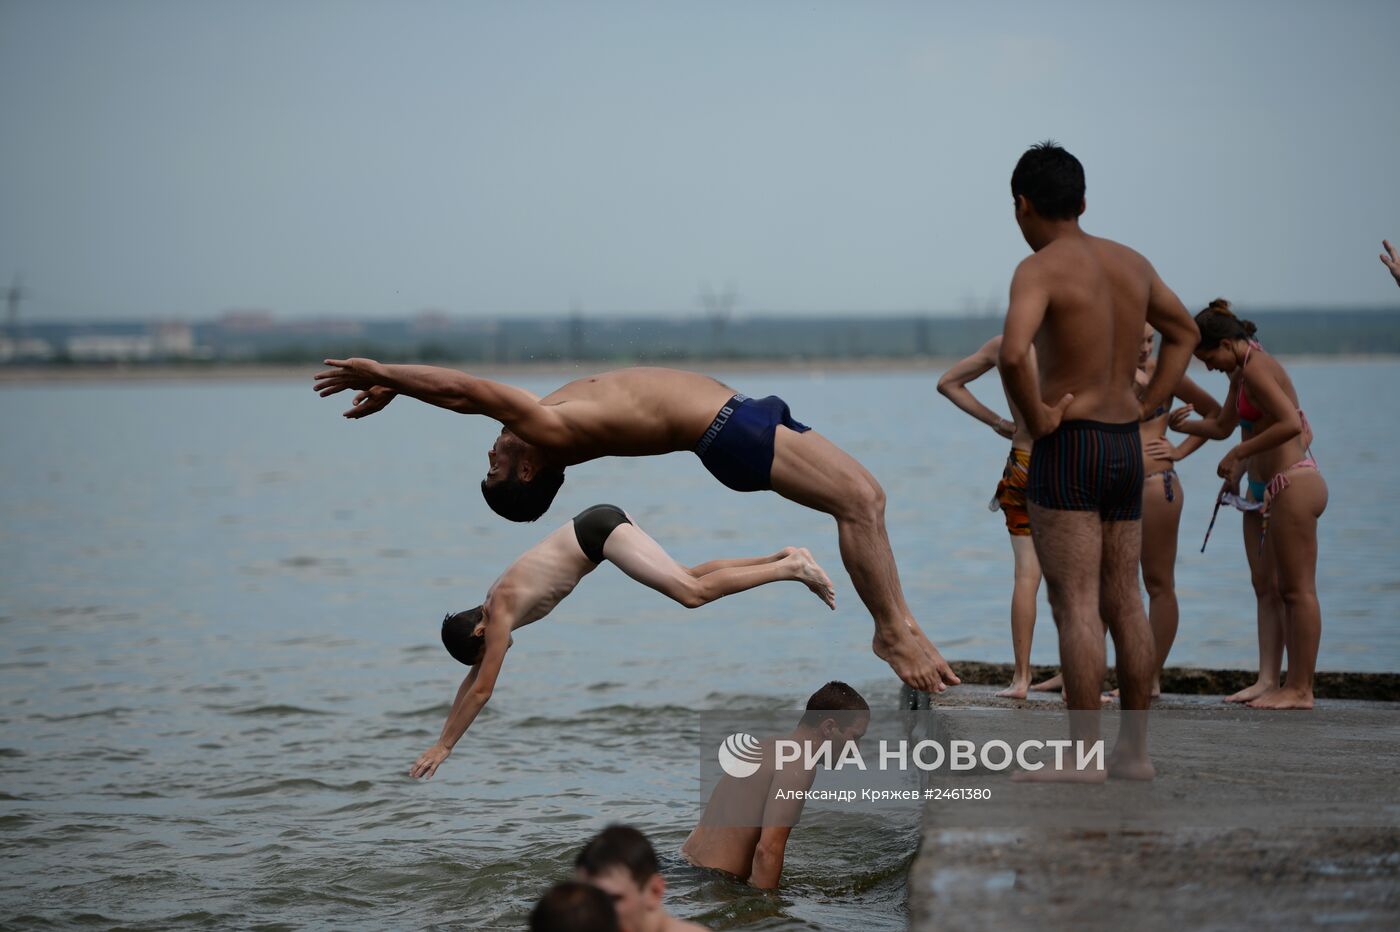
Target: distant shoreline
{"x": 257, "y": 372}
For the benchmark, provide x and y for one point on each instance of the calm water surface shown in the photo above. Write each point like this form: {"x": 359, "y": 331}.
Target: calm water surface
{"x": 219, "y": 606}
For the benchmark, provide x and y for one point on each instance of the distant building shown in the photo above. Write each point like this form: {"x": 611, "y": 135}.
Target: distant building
{"x": 173, "y": 340}
{"x": 25, "y": 349}
{"x": 162, "y": 340}
{"x": 110, "y": 347}
{"x": 245, "y": 321}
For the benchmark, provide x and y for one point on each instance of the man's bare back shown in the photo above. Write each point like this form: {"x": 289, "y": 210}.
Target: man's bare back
{"x": 638, "y": 411}
{"x": 1098, "y": 293}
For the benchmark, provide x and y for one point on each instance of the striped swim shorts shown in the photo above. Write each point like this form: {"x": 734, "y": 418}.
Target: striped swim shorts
{"x": 1089, "y": 466}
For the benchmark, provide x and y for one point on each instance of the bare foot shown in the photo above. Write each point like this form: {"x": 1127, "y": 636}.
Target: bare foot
{"x": 813, "y": 577}
{"x": 914, "y": 659}
{"x": 1124, "y": 766}
{"x": 1251, "y": 692}
{"x": 1017, "y": 689}
{"x": 1052, "y": 685}
{"x": 1284, "y": 698}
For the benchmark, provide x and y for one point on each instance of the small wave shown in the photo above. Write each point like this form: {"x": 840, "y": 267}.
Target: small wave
{"x": 434, "y": 711}
{"x": 293, "y": 785}
{"x": 363, "y": 805}
{"x": 11, "y": 752}
{"x": 113, "y": 712}
{"x": 391, "y": 733}
{"x": 271, "y": 710}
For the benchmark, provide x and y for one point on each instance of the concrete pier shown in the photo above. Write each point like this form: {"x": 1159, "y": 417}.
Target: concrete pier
{"x": 1255, "y": 820}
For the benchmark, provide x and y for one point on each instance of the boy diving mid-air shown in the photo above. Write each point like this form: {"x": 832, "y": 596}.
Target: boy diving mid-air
{"x": 535, "y": 583}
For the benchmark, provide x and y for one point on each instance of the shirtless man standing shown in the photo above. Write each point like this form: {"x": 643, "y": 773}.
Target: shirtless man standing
{"x": 747, "y": 443}
{"x": 1083, "y": 301}
{"x": 1011, "y": 497}
{"x": 540, "y": 579}
{"x": 744, "y": 830}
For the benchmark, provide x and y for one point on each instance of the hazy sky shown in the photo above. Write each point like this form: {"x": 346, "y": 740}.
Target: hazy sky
{"x": 375, "y": 159}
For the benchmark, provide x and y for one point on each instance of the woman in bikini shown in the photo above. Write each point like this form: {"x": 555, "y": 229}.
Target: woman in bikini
{"x": 1162, "y": 500}
{"x": 1281, "y": 535}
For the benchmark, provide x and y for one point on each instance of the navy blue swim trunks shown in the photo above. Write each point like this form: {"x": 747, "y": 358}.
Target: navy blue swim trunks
{"x": 1088, "y": 466}
{"x": 737, "y": 448}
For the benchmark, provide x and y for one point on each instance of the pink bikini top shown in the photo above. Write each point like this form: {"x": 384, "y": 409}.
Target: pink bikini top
{"x": 1248, "y": 412}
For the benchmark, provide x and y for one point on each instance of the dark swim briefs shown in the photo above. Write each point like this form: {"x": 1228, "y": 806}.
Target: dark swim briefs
{"x": 592, "y": 527}
{"x": 737, "y": 448}
{"x": 1089, "y": 466}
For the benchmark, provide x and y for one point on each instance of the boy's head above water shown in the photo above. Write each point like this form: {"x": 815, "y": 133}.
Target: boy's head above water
{"x": 622, "y": 863}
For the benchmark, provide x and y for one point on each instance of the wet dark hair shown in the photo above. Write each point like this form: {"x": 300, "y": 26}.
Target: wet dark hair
{"x": 517, "y": 500}
{"x": 1051, "y": 179}
{"x": 619, "y": 846}
{"x": 1218, "y": 324}
{"x": 457, "y": 636}
{"x": 572, "y": 906}
{"x": 838, "y": 698}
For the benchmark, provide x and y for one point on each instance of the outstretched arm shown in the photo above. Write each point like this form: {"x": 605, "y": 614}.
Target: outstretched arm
{"x": 1198, "y": 400}
{"x": 1391, "y": 259}
{"x": 472, "y": 697}
{"x": 1212, "y": 427}
{"x": 1168, "y": 316}
{"x": 1029, "y": 301}
{"x": 953, "y": 386}
{"x": 451, "y": 389}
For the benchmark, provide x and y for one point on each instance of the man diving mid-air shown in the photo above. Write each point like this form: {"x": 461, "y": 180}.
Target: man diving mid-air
{"x": 747, "y": 443}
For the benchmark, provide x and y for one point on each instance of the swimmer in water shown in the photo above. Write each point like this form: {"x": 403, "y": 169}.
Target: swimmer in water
{"x": 744, "y": 830}
{"x": 748, "y": 444}
{"x": 622, "y": 863}
{"x": 536, "y": 582}
{"x": 574, "y": 906}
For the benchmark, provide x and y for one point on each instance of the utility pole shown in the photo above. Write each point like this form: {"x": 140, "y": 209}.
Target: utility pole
{"x": 718, "y": 308}
{"x": 13, "y": 296}
{"x": 576, "y": 331}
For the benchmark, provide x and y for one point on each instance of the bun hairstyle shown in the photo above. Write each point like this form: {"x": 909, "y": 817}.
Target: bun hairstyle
{"x": 1218, "y": 324}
